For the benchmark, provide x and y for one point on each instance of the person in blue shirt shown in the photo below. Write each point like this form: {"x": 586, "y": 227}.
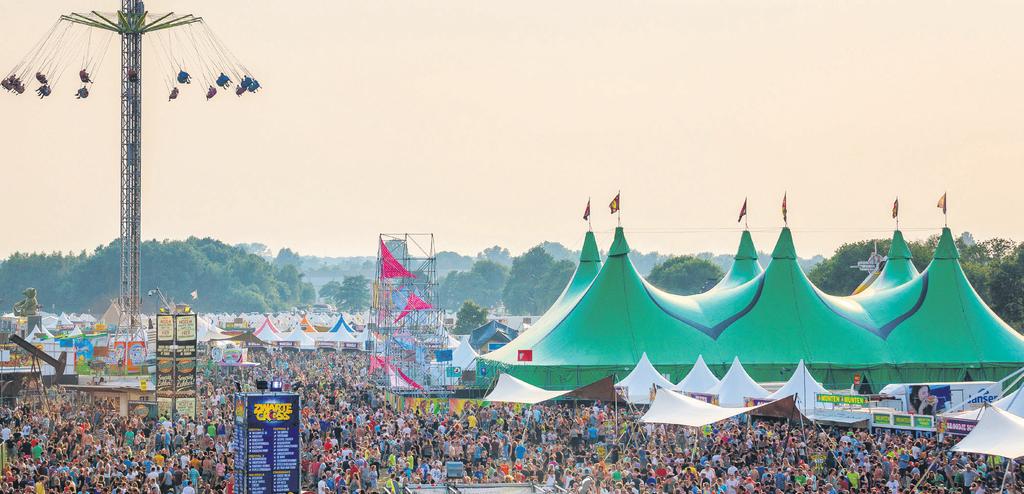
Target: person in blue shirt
{"x": 520, "y": 451}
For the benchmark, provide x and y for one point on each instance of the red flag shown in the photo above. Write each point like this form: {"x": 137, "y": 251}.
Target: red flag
{"x": 389, "y": 266}
{"x": 743, "y": 211}
{"x": 413, "y": 303}
{"x": 896, "y": 208}
{"x": 785, "y": 212}
{"x": 614, "y": 206}
{"x": 524, "y": 355}
{"x": 586, "y": 212}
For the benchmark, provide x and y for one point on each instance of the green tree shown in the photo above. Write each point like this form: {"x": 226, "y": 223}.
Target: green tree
{"x": 329, "y": 291}
{"x": 685, "y": 275}
{"x": 354, "y": 294}
{"x": 482, "y": 284}
{"x": 835, "y": 275}
{"x": 535, "y": 281}
{"x": 1006, "y": 287}
{"x": 469, "y": 317}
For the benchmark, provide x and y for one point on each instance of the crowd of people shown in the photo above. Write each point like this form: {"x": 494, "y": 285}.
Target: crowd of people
{"x": 355, "y": 441}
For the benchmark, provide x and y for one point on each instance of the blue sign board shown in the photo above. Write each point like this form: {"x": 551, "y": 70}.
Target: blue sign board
{"x": 267, "y": 443}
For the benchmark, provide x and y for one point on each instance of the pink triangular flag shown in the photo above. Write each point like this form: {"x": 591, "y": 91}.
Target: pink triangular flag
{"x": 390, "y": 267}
{"x": 414, "y": 303}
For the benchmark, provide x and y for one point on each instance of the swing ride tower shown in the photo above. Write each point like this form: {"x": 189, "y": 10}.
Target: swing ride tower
{"x": 71, "y": 35}
{"x": 131, "y": 23}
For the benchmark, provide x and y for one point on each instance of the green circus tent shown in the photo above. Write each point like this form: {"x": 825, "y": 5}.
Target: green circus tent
{"x": 909, "y": 327}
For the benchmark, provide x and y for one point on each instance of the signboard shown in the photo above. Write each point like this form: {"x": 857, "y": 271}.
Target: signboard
{"x": 164, "y": 329}
{"x": 900, "y": 420}
{"x": 185, "y": 329}
{"x": 924, "y": 422}
{"x": 705, "y": 397}
{"x": 494, "y": 346}
{"x": 959, "y": 427}
{"x": 881, "y": 419}
{"x": 842, "y": 399}
{"x": 753, "y": 402}
{"x": 143, "y": 409}
{"x": 267, "y": 441}
{"x": 454, "y": 371}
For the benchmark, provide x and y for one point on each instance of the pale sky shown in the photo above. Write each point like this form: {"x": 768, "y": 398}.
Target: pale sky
{"x": 491, "y": 122}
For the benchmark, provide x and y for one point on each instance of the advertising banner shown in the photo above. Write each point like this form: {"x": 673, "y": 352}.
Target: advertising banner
{"x": 959, "y": 427}
{"x": 705, "y": 397}
{"x": 270, "y": 433}
{"x": 842, "y": 399}
{"x": 164, "y": 336}
{"x": 925, "y": 399}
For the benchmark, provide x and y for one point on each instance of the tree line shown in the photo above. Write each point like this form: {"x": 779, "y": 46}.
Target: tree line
{"x": 225, "y": 278}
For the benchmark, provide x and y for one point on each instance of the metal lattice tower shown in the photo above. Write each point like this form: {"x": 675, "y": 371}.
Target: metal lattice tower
{"x": 409, "y": 341}
{"x": 130, "y": 299}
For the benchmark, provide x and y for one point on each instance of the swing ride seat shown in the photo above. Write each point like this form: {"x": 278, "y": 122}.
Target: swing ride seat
{"x": 254, "y": 86}
{"x": 82, "y": 93}
{"x": 184, "y": 78}
{"x": 84, "y": 76}
{"x": 239, "y": 91}
{"x": 211, "y": 93}
{"x": 43, "y": 91}
{"x": 223, "y": 80}
{"x": 173, "y": 95}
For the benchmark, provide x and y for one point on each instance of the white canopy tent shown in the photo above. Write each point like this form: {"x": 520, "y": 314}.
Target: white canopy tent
{"x": 207, "y": 331}
{"x": 464, "y": 355}
{"x": 670, "y": 407}
{"x": 1013, "y": 403}
{"x": 700, "y": 379}
{"x": 297, "y": 339}
{"x": 641, "y": 379}
{"x": 737, "y": 385}
{"x": 38, "y": 335}
{"x": 511, "y": 390}
{"x": 998, "y": 433}
{"x": 801, "y": 384}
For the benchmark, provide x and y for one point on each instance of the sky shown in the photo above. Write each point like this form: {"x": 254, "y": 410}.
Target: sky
{"x": 489, "y": 122}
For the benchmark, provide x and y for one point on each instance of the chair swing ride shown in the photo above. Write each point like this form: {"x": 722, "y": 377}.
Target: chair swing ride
{"x": 184, "y": 45}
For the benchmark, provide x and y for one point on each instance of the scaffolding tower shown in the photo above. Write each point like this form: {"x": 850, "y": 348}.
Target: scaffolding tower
{"x": 405, "y": 316}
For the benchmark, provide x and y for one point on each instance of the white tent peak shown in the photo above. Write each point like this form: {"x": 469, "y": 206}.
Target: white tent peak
{"x": 700, "y": 379}
{"x": 801, "y": 384}
{"x": 511, "y": 390}
{"x": 737, "y": 385}
{"x": 639, "y": 381}
{"x": 464, "y": 355}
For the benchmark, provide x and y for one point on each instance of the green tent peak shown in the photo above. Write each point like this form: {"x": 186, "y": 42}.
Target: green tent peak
{"x": 590, "y": 252}
{"x": 899, "y": 249}
{"x": 746, "y": 249}
{"x": 784, "y": 246}
{"x": 619, "y": 246}
{"x": 947, "y": 247}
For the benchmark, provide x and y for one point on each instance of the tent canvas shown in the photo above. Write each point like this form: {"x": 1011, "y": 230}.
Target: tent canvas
{"x": 640, "y": 380}
{"x": 801, "y": 384}
{"x": 464, "y": 356}
{"x": 737, "y": 385}
{"x": 700, "y": 379}
{"x": 670, "y": 407}
{"x": 511, "y": 390}
{"x": 998, "y": 433}
{"x": 340, "y": 325}
{"x": 266, "y": 325}
{"x": 299, "y": 339}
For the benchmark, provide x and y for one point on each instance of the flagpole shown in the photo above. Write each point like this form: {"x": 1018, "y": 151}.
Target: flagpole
{"x": 618, "y": 213}
{"x": 945, "y": 207}
{"x": 590, "y": 225}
